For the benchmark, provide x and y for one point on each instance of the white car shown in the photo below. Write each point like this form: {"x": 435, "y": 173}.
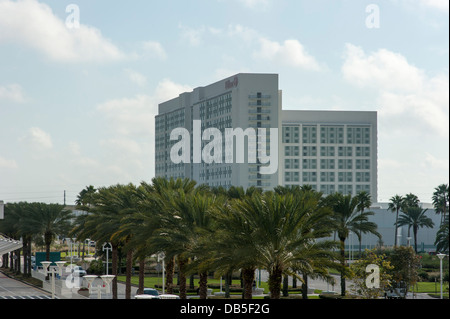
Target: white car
{"x": 151, "y": 293}
{"x": 78, "y": 271}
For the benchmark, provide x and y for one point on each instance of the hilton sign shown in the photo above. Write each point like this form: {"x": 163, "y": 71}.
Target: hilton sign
{"x": 231, "y": 84}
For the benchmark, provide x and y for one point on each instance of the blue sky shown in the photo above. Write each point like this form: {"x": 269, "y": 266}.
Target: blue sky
{"x": 77, "y": 104}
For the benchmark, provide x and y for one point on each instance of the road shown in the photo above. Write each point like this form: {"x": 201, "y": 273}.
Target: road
{"x": 14, "y": 289}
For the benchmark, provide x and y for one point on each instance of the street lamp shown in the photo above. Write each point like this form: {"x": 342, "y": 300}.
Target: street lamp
{"x": 108, "y": 248}
{"x": 441, "y": 256}
{"x": 106, "y": 279}
{"x": 161, "y": 257}
{"x": 52, "y": 271}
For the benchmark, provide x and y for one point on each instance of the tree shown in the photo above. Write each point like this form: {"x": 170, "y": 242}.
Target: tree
{"x": 415, "y": 217}
{"x": 48, "y": 220}
{"x": 360, "y": 275}
{"x": 440, "y": 200}
{"x": 347, "y": 218}
{"x": 395, "y": 205}
{"x": 405, "y": 264}
{"x": 364, "y": 201}
{"x": 442, "y": 238}
{"x": 410, "y": 200}
{"x": 281, "y": 227}
{"x": 105, "y": 214}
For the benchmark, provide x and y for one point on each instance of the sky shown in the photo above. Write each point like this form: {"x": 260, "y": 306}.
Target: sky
{"x": 80, "y": 81}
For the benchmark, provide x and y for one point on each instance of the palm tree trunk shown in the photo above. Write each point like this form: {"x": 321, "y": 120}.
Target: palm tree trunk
{"x": 343, "y": 266}
{"x": 170, "y": 265}
{"x": 396, "y": 229}
{"x": 227, "y": 284}
{"x": 182, "y": 275}
{"x": 128, "y": 274}
{"x": 275, "y": 282}
{"x": 203, "y": 288}
{"x": 141, "y": 274}
{"x": 248, "y": 275}
{"x": 305, "y": 287}
{"x": 415, "y": 228}
{"x": 114, "y": 261}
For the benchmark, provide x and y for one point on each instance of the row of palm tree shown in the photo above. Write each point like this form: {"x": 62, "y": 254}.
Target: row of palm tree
{"x": 35, "y": 222}
{"x": 414, "y": 216}
{"x": 201, "y": 229}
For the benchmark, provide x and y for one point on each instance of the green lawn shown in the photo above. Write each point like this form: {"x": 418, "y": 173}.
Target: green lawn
{"x": 150, "y": 282}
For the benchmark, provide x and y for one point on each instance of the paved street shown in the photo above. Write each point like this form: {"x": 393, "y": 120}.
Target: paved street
{"x": 14, "y": 289}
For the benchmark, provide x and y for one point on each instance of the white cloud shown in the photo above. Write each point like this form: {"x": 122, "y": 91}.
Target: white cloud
{"x": 255, "y": 3}
{"x": 7, "y": 163}
{"x": 154, "y": 49}
{"x": 130, "y": 116}
{"x": 291, "y": 53}
{"x": 403, "y": 89}
{"x": 437, "y": 4}
{"x": 136, "y": 77}
{"x": 38, "y": 140}
{"x": 130, "y": 124}
{"x": 35, "y": 25}
{"x": 12, "y": 92}
{"x": 431, "y": 162}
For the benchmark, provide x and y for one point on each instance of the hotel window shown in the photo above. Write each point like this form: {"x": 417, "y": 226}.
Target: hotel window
{"x": 291, "y": 163}
{"x": 345, "y": 189}
{"x": 290, "y": 134}
{"x": 309, "y": 134}
{"x": 291, "y": 151}
{"x": 327, "y": 164}
{"x": 345, "y": 164}
{"x": 327, "y": 177}
{"x": 345, "y": 151}
{"x": 345, "y": 177}
{"x": 309, "y": 177}
{"x": 309, "y": 163}
{"x": 327, "y": 151}
{"x": 309, "y": 151}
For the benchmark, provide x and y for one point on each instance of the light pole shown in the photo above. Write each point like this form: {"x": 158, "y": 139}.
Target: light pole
{"x": 441, "y": 256}
{"x": 107, "y": 247}
{"x": 161, "y": 257}
{"x": 52, "y": 271}
{"x": 106, "y": 281}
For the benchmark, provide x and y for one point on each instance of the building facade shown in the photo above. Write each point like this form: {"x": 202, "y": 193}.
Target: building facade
{"x": 333, "y": 151}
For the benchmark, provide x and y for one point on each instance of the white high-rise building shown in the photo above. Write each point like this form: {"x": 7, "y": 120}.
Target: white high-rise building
{"x": 332, "y": 151}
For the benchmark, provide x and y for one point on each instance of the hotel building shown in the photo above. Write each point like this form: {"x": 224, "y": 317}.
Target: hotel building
{"x": 333, "y": 151}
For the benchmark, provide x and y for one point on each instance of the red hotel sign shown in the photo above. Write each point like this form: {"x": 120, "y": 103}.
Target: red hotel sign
{"x": 231, "y": 84}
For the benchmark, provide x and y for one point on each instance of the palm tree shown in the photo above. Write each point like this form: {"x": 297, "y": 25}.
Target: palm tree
{"x": 85, "y": 197}
{"x": 410, "y": 200}
{"x": 281, "y": 227}
{"x": 395, "y": 205}
{"x": 415, "y": 217}
{"x": 48, "y": 220}
{"x": 442, "y": 238}
{"x": 364, "y": 201}
{"x": 440, "y": 200}
{"x": 108, "y": 208}
{"x": 12, "y": 226}
{"x": 346, "y": 219}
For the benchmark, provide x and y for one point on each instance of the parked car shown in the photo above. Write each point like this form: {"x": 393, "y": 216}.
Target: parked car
{"x": 151, "y": 293}
{"x": 78, "y": 271}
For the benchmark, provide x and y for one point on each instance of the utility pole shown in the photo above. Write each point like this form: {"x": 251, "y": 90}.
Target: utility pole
{"x": 64, "y": 197}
